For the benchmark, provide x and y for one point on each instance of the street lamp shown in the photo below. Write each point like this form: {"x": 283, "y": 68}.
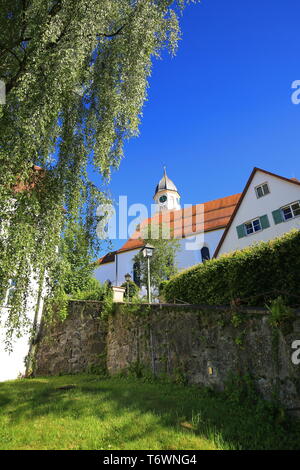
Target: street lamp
{"x": 147, "y": 253}
{"x": 127, "y": 279}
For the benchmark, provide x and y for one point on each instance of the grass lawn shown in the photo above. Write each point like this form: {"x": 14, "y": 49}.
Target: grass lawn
{"x": 118, "y": 413}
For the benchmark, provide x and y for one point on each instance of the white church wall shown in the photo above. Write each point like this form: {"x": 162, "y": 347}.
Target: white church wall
{"x": 190, "y": 248}
{"x": 115, "y": 271}
{"x": 188, "y": 255}
{"x": 281, "y": 193}
{"x": 106, "y": 272}
{"x": 125, "y": 265}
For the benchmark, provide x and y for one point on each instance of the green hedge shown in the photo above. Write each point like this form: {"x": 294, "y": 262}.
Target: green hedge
{"x": 252, "y": 276}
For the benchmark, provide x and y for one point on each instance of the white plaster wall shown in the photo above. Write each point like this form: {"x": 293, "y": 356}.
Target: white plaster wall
{"x": 106, "y": 272}
{"x": 190, "y": 248}
{"x": 281, "y": 193}
{"x": 12, "y": 364}
{"x": 125, "y": 265}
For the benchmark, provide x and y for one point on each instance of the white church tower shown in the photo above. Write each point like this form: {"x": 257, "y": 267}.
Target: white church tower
{"x": 166, "y": 194}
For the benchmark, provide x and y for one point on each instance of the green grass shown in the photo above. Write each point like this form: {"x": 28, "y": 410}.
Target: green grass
{"x": 119, "y": 413}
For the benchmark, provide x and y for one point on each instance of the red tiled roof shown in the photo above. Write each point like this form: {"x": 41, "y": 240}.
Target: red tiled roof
{"x": 108, "y": 258}
{"x": 132, "y": 243}
{"x": 186, "y": 222}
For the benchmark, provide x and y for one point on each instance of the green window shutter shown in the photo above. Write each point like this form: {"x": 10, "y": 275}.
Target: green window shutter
{"x": 277, "y": 216}
{"x": 264, "y": 222}
{"x": 241, "y": 231}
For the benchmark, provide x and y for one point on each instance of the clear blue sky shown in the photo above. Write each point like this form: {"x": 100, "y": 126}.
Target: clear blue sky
{"x": 221, "y": 106}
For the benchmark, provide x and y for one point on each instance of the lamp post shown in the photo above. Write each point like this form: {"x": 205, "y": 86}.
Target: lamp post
{"x": 147, "y": 253}
{"x": 127, "y": 279}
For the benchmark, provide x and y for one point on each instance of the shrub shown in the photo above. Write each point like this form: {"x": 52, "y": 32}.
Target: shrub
{"x": 252, "y": 276}
{"x": 162, "y": 286}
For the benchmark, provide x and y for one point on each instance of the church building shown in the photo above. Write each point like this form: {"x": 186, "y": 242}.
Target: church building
{"x": 268, "y": 207}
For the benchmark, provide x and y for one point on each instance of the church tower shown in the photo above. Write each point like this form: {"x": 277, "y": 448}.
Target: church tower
{"x": 166, "y": 195}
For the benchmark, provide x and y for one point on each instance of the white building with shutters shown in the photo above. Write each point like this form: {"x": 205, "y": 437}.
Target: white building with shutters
{"x": 268, "y": 207}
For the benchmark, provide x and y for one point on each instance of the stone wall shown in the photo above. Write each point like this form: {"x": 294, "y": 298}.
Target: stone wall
{"x": 196, "y": 344}
{"x": 75, "y": 345}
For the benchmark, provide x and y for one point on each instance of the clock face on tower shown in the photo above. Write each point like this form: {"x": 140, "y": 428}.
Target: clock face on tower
{"x": 163, "y": 199}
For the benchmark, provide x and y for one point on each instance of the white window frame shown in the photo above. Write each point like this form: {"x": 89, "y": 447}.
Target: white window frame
{"x": 261, "y": 186}
{"x": 252, "y": 222}
{"x": 292, "y": 211}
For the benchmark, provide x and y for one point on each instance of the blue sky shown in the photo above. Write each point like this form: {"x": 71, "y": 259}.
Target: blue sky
{"x": 221, "y": 106}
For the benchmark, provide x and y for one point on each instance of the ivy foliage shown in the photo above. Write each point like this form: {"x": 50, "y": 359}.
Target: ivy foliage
{"x": 253, "y": 276}
{"x": 76, "y": 75}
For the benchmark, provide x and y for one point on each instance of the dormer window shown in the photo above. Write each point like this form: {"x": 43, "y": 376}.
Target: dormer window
{"x": 262, "y": 190}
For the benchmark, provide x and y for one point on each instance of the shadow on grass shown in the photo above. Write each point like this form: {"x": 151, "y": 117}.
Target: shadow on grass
{"x": 195, "y": 411}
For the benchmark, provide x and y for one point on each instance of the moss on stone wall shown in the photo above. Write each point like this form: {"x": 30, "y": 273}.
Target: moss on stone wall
{"x": 193, "y": 344}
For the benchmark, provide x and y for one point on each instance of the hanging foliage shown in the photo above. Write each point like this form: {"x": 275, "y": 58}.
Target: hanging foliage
{"x": 76, "y": 79}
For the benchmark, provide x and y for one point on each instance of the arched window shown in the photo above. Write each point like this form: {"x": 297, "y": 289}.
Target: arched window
{"x": 137, "y": 273}
{"x": 205, "y": 255}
